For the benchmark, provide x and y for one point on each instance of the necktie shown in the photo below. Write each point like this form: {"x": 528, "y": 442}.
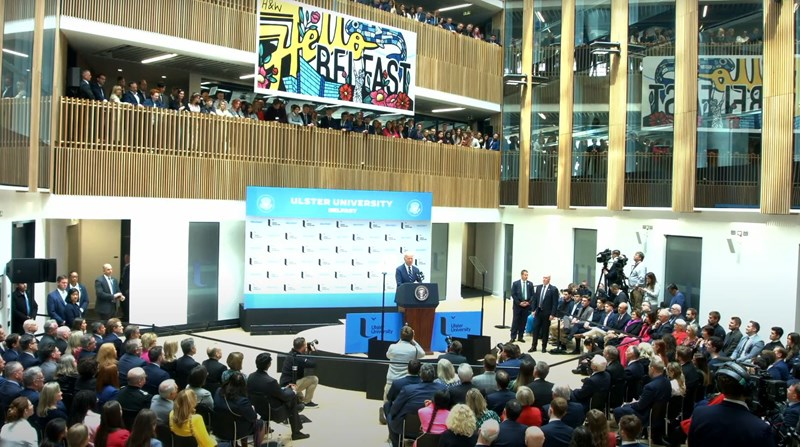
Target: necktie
{"x": 605, "y": 321}
{"x": 410, "y": 273}
{"x": 541, "y": 297}
{"x": 524, "y": 285}
{"x": 110, "y": 285}
{"x": 576, "y": 310}
{"x": 27, "y": 304}
{"x": 746, "y": 345}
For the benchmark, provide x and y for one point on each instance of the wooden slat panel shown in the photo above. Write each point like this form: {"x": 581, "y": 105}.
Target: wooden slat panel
{"x": 565, "y": 110}
{"x": 777, "y": 131}
{"x": 160, "y": 153}
{"x": 685, "y": 131}
{"x": 617, "y": 112}
{"x": 525, "y": 105}
{"x": 15, "y": 117}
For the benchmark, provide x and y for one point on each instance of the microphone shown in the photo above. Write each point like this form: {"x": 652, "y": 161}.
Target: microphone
{"x": 421, "y": 276}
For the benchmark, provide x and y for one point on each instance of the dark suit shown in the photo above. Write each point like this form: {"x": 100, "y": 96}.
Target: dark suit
{"x": 27, "y": 359}
{"x": 691, "y": 377}
{"x": 512, "y": 434}
{"x": 660, "y": 331}
{"x": 779, "y": 370}
{"x": 656, "y": 390}
{"x": 791, "y": 415}
{"x": 616, "y": 372}
{"x": 97, "y": 91}
{"x": 215, "y": 370}
{"x": 544, "y": 306}
{"x": 155, "y": 375}
{"x": 411, "y": 398}
{"x": 520, "y": 316}
{"x": 730, "y": 342}
{"x": 85, "y": 90}
{"x": 9, "y": 390}
{"x": 455, "y": 359}
{"x": 125, "y": 288}
{"x": 20, "y": 311}
{"x": 133, "y": 399}
{"x": 113, "y": 338}
{"x": 131, "y": 98}
{"x": 599, "y": 382}
{"x": 634, "y": 375}
{"x": 83, "y": 302}
{"x": 557, "y": 434}
{"x": 126, "y": 363}
{"x": 458, "y": 393}
{"x": 402, "y": 277}
{"x": 394, "y": 390}
{"x": 511, "y": 366}
{"x": 105, "y": 304}
{"x": 496, "y": 401}
{"x": 575, "y": 414}
{"x": 71, "y": 312}
{"x": 728, "y": 424}
{"x": 183, "y": 366}
{"x": 542, "y": 392}
{"x": 271, "y": 401}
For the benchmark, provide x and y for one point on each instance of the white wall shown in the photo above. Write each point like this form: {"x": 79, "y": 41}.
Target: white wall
{"x": 758, "y": 285}
{"x": 455, "y": 254}
{"x": 231, "y": 268}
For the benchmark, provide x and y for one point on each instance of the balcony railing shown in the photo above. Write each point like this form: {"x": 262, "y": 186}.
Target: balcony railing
{"x": 227, "y": 23}
{"x": 589, "y": 178}
{"x": 161, "y": 153}
{"x": 15, "y": 127}
{"x": 648, "y": 180}
{"x": 732, "y": 181}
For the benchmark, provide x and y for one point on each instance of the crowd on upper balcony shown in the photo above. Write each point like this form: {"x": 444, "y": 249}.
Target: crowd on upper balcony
{"x": 726, "y": 36}
{"x": 133, "y": 94}
{"x": 433, "y": 18}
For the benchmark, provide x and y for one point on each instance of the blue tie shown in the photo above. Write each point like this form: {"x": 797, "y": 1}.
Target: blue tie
{"x": 27, "y": 304}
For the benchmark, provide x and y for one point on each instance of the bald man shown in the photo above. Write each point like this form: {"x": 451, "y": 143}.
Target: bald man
{"x": 543, "y": 305}
{"x": 108, "y": 293}
{"x": 534, "y": 437}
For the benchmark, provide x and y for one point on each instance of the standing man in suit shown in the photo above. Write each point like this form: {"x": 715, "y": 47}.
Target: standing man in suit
{"x": 97, "y": 87}
{"x": 407, "y": 272}
{"x": 84, "y": 88}
{"x": 543, "y": 305}
{"x": 521, "y": 295}
{"x": 83, "y": 300}
{"x": 677, "y": 297}
{"x": 106, "y": 289}
{"x": 124, "y": 287}
{"x": 56, "y": 301}
{"x": 730, "y": 423}
{"x": 25, "y": 308}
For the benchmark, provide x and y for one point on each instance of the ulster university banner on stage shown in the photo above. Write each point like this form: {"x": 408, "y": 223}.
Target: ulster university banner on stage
{"x": 317, "y": 55}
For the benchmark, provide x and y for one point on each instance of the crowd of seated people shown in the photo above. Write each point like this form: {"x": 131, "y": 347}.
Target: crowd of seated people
{"x": 131, "y": 93}
{"x": 727, "y": 36}
{"x": 433, "y": 18}
{"x": 115, "y": 393}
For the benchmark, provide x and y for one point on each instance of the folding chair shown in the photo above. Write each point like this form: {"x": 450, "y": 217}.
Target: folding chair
{"x": 658, "y": 422}
{"x": 412, "y": 428}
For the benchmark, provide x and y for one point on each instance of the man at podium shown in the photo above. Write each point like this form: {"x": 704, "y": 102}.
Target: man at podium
{"x": 407, "y": 272}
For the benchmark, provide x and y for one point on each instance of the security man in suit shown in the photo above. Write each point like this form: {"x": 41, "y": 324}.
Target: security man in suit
{"x": 521, "y": 295}
{"x": 730, "y": 423}
{"x": 83, "y": 301}
{"x": 407, "y": 272}
{"x": 543, "y": 306}
{"x": 24, "y": 308}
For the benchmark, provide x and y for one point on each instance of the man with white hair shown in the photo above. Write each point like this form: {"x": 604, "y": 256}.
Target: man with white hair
{"x": 62, "y": 338}
{"x": 575, "y": 414}
{"x": 599, "y": 382}
{"x": 458, "y": 393}
{"x": 30, "y": 327}
{"x": 658, "y": 389}
{"x": 107, "y": 293}
{"x": 162, "y": 404}
{"x": 407, "y": 272}
{"x": 534, "y": 437}
{"x": 488, "y": 432}
{"x": 50, "y": 330}
{"x": 662, "y": 326}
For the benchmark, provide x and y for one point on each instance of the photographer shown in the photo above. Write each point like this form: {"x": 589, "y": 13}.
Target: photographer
{"x": 613, "y": 263}
{"x": 293, "y": 371}
{"x": 730, "y": 423}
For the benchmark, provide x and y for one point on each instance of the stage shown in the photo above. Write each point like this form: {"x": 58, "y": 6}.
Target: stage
{"x": 341, "y": 409}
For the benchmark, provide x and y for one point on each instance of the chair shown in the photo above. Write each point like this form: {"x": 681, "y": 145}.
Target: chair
{"x": 280, "y": 438}
{"x": 224, "y": 426}
{"x": 128, "y": 416}
{"x": 599, "y": 401}
{"x": 164, "y": 434}
{"x": 616, "y": 395}
{"x": 183, "y": 441}
{"x": 658, "y": 421}
{"x": 207, "y": 414}
{"x": 428, "y": 440}
{"x": 412, "y": 427}
{"x": 633, "y": 388}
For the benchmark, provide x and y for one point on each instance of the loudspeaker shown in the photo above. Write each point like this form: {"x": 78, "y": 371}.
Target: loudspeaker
{"x": 30, "y": 270}
{"x": 74, "y": 77}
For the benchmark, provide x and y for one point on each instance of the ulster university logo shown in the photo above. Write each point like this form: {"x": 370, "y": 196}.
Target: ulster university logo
{"x": 421, "y": 293}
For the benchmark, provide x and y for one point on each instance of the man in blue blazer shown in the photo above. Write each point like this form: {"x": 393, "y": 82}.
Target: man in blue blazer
{"x": 556, "y": 432}
{"x": 630, "y": 427}
{"x": 496, "y": 400}
{"x": 730, "y": 423}
{"x": 512, "y": 433}
{"x": 412, "y": 378}
{"x": 407, "y": 272}
{"x": 56, "y": 301}
{"x": 521, "y": 295}
{"x": 411, "y": 399}
{"x": 83, "y": 302}
{"x": 598, "y": 382}
{"x": 791, "y": 414}
{"x": 657, "y": 390}
{"x": 155, "y": 375}
{"x": 575, "y": 415}
{"x": 132, "y": 95}
{"x": 131, "y": 359}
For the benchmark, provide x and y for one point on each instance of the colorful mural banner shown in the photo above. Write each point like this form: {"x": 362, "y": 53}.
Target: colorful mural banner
{"x": 728, "y": 93}
{"x": 316, "y": 55}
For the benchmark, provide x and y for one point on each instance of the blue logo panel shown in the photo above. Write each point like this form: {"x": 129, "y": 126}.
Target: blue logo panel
{"x": 359, "y": 328}
{"x": 454, "y": 324}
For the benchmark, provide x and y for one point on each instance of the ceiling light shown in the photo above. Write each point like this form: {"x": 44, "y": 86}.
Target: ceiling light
{"x": 540, "y": 16}
{"x": 163, "y": 77}
{"x": 542, "y": 116}
{"x": 163, "y": 57}
{"x": 705, "y": 11}
{"x": 454, "y": 109}
{"x": 6, "y": 50}
{"x": 450, "y": 8}
{"x": 119, "y": 70}
{"x": 247, "y": 76}
{"x": 205, "y": 83}
{"x": 223, "y": 90}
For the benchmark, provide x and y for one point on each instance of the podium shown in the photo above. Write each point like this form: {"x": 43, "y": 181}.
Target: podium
{"x": 419, "y": 301}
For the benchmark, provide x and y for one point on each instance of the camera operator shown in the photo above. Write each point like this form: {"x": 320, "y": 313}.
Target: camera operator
{"x": 730, "y": 423}
{"x": 293, "y": 371}
{"x": 612, "y": 268}
{"x": 636, "y": 279}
